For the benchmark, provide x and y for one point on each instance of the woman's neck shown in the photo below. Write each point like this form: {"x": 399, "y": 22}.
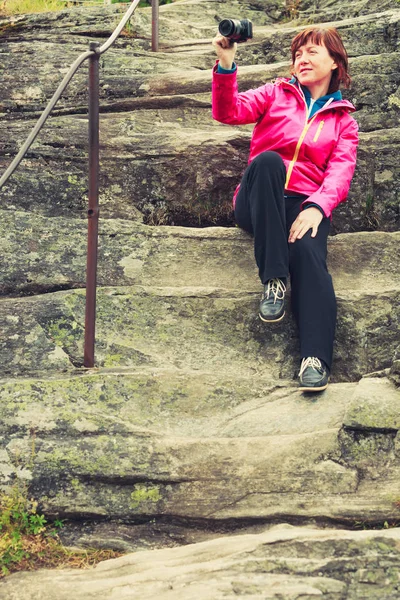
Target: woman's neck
{"x": 317, "y": 91}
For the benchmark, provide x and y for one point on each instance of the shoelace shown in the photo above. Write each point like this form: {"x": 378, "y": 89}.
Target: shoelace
{"x": 312, "y": 362}
{"x": 277, "y": 288}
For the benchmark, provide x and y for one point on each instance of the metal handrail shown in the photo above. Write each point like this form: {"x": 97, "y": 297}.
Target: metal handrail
{"x": 93, "y": 54}
{"x": 57, "y": 94}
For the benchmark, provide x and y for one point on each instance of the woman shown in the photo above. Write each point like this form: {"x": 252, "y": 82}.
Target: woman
{"x": 302, "y": 159}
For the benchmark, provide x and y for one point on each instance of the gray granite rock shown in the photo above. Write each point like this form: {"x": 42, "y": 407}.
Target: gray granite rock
{"x": 202, "y": 328}
{"x": 189, "y": 444}
{"x": 42, "y": 254}
{"x": 144, "y": 170}
{"x": 192, "y": 425}
{"x": 285, "y": 562}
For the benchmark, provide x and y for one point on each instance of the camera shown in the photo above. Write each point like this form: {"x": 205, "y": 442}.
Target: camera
{"x": 236, "y": 31}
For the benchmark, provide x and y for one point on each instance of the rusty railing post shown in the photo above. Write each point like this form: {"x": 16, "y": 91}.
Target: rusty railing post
{"x": 154, "y": 25}
{"x": 93, "y": 54}
{"x": 93, "y": 210}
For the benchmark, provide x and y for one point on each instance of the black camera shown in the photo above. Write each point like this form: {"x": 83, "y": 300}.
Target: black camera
{"x": 236, "y": 31}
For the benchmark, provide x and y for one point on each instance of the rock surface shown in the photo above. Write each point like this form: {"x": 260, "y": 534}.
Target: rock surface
{"x": 191, "y": 425}
{"x": 193, "y": 445}
{"x": 38, "y": 256}
{"x": 157, "y": 117}
{"x": 284, "y": 562}
{"x": 184, "y": 298}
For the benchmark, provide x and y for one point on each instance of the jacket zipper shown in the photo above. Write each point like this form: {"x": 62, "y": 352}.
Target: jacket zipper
{"x": 303, "y": 135}
{"x": 297, "y": 151}
{"x": 320, "y": 126}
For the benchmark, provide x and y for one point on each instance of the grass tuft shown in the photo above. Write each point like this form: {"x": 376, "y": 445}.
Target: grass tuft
{"x": 28, "y": 542}
{"x": 17, "y": 7}
{"x": 25, "y": 7}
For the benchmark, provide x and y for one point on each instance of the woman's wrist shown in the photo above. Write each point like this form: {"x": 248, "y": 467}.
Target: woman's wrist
{"x": 227, "y": 65}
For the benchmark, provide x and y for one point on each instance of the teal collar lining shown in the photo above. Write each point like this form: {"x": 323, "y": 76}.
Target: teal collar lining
{"x": 320, "y": 101}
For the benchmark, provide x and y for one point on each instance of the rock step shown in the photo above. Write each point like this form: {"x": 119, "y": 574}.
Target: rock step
{"x": 193, "y": 327}
{"x": 180, "y": 403}
{"x": 272, "y": 44}
{"x": 365, "y": 37}
{"x": 38, "y": 256}
{"x": 136, "y": 446}
{"x": 176, "y": 196}
{"x": 187, "y": 19}
{"x": 183, "y": 403}
{"x": 376, "y": 108}
{"x": 186, "y": 298}
{"x": 124, "y": 88}
{"x": 184, "y": 20}
{"x": 150, "y": 174}
{"x": 329, "y": 10}
{"x": 284, "y": 562}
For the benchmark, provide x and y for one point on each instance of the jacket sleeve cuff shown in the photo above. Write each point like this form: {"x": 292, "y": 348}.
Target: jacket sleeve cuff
{"x": 223, "y": 71}
{"x": 312, "y": 204}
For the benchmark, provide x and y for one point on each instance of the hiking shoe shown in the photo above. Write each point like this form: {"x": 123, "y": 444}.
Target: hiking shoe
{"x": 313, "y": 375}
{"x": 272, "y": 305}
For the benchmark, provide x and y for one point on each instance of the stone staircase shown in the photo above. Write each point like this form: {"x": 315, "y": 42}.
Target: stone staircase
{"x": 191, "y": 426}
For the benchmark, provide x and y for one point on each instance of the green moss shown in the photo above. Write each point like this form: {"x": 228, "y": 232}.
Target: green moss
{"x": 72, "y": 179}
{"x": 75, "y": 301}
{"x": 394, "y": 101}
{"x": 65, "y": 331}
{"x": 76, "y": 484}
{"x": 386, "y": 548}
{"x": 113, "y": 360}
{"x": 365, "y": 447}
{"x": 145, "y": 494}
{"x": 73, "y": 459}
{"x": 58, "y": 458}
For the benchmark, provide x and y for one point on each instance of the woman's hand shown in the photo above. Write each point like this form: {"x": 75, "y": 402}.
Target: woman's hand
{"x": 225, "y": 51}
{"x": 309, "y": 218}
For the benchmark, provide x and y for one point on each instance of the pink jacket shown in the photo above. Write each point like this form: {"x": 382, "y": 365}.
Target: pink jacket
{"x": 319, "y": 153}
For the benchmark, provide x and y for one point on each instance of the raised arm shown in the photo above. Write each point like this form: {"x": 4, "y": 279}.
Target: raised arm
{"x": 228, "y": 106}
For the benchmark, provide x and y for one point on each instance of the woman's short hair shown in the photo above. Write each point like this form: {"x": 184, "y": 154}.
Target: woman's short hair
{"x": 330, "y": 38}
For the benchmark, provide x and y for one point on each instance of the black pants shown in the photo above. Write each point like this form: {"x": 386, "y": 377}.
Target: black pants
{"x": 263, "y": 209}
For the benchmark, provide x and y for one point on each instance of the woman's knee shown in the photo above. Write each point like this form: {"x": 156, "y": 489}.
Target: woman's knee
{"x": 269, "y": 159}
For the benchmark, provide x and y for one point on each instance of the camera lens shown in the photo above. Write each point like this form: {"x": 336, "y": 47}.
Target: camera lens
{"x": 227, "y": 27}
{"x": 236, "y": 31}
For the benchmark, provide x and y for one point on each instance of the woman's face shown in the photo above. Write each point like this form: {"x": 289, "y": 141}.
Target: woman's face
{"x": 313, "y": 65}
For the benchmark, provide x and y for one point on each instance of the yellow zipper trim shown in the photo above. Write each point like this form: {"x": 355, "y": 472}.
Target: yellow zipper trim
{"x": 316, "y": 136}
{"x": 303, "y": 134}
{"x": 296, "y": 152}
